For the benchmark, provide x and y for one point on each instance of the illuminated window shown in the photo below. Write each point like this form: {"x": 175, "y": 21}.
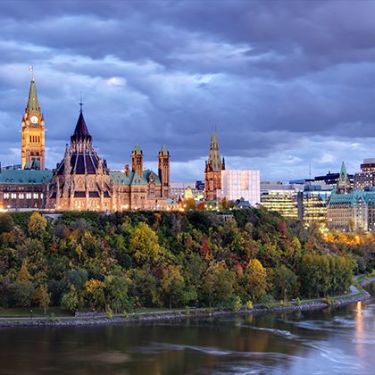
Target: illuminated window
{"x": 28, "y": 195}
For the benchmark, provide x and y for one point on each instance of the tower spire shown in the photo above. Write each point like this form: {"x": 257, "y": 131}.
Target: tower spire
{"x": 32, "y": 102}
{"x": 214, "y": 155}
{"x": 343, "y": 183}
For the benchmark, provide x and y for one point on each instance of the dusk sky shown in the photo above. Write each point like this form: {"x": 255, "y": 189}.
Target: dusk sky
{"x": 283, "y": 83}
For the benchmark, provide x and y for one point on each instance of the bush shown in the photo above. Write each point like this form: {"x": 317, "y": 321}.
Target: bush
{"x": 249, "y": 305}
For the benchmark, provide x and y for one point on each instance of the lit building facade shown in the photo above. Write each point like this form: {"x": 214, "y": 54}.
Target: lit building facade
{"x": 283, "y": 201}
{"x": 82, "y": 180}
{"x": 212, "y": 172}
{"x": 350, "y": 209}
{"x": 237, "y": 184}
{"x": 366, "y": 178}
{"x": 33, "y": 133}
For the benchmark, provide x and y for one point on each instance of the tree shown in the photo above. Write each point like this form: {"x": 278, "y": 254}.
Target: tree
{"x": 116, "y": 290}
{"x": 285, "y": 283}
{"x": 144, "y": 244}
{"x": 70, "y": 300}
{"x": 37, "y": 225}
{"x": 6, "y": 223}
{"x": 218, "y": 284}
{"x": 172, "y": 284}
{"x": 256, "y": 279}
{"x": 94, "y": 294}
{"x": 42, "y": 297}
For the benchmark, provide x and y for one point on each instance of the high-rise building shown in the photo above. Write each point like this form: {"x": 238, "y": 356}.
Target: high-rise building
{"x": 214, "y": 166}
{"x": 366, "y": 178}
{"x": 33, "y": 133}
{"x": 240, "y": 184}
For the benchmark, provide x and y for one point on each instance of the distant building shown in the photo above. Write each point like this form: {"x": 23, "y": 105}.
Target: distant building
{"x": 279, "y": 197}
{"x": 312, "y": 204}
{"x": 240, "y": 184}
{"x": 212, "y": 173}
{"x": 366, "y": 178}
{"x": 185, "y": 190}
{"x": 350, "y": 209}
{"x": 307, "y": 202}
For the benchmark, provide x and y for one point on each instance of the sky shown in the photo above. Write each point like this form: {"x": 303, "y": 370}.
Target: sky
{"x": 285, "y": 84}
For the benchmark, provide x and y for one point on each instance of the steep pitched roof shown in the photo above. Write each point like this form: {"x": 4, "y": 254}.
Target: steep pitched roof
{"x": 81, "y": 131}
{"x": 32, "y": 102}
{"x": 214, "y": 154}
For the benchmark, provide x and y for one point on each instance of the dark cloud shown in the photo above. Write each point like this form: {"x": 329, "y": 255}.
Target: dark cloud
{"x": 284, "y": 83}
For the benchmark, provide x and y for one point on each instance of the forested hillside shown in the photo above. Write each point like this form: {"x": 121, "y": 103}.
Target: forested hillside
{"x": 123, "y": 261}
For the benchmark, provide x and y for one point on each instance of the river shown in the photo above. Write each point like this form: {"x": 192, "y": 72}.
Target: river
{"x": 341, "y": 341}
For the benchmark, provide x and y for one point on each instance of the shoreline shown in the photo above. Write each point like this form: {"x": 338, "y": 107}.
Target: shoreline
{"x": 96, "y": 319}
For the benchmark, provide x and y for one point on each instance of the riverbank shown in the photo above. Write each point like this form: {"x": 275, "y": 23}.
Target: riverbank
{"x": 357, "y": 293}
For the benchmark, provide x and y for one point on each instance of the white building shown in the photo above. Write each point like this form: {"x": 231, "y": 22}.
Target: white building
{"x": 236, "y": 184}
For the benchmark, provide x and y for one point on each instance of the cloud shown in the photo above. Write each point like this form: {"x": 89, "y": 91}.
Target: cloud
{"x": 285, "y": 85}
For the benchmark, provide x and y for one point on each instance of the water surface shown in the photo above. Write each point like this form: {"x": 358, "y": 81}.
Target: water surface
{"x": 341, "y": 341}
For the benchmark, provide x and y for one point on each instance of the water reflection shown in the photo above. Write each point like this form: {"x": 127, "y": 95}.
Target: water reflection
{"x": 337, "y": 342}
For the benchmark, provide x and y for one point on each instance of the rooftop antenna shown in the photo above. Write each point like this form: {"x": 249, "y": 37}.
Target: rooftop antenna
{"x": 80, "y": 102}
{"x": 31, "y": 69}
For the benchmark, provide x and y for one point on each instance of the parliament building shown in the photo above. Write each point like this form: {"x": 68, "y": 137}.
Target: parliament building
{"x": 82, "y": 180}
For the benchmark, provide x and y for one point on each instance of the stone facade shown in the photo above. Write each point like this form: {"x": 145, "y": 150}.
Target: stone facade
{"x": 82, "y": 180}
{"x": 212, "y": 172}
{"x": 33, "y": 133}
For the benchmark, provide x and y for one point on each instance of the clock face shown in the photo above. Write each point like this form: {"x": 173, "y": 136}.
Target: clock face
{"x": 34, "y": 120}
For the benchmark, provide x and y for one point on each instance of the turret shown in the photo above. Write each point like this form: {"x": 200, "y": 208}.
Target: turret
{"x": 343, "y": 183}
{"x": 137, "y": 161}
{"x": 164, "y": 171}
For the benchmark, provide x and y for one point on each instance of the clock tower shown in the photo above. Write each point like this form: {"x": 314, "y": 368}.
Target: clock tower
{"x": 33, "y": 138}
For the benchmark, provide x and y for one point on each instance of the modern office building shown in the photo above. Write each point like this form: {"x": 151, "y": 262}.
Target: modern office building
{"x": 240, "y": 184}
{"x": 279, "y": 197}
{"x": 366, "y": 178}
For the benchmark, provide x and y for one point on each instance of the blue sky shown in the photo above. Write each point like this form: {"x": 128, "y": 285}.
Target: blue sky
{"x": 284, "y": 83}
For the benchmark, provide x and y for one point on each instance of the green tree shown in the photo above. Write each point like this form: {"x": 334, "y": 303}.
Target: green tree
{"x": 218, "y": 284}
{"x": 116, "y": 290}
{"x": 70, "y": 300}
{"x": 285, "y": 283}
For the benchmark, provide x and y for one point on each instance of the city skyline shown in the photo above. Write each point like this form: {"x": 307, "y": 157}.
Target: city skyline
{"x": 280, "y": 97}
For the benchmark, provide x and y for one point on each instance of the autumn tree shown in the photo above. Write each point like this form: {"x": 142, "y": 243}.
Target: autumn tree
{"x": 144, "y": 244}
{"x": 37, "y": 225}
{"x": 256, "y": 279}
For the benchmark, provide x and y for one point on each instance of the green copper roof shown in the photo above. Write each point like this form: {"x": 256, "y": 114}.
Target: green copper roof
{"x": 120, "y": 178}
{"x": 25, "y": 177}
{"x": 33, "y": 103}
{"x": 352, "y": 198}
